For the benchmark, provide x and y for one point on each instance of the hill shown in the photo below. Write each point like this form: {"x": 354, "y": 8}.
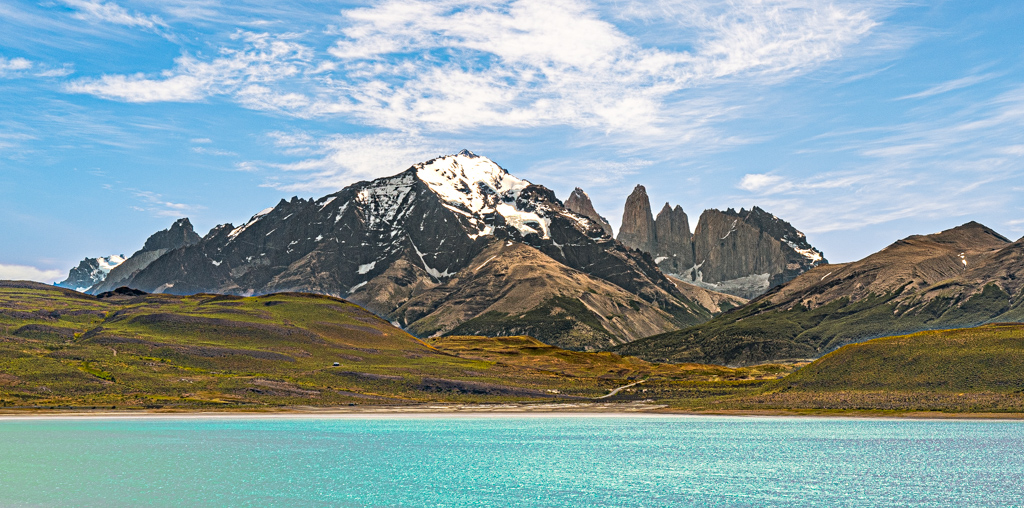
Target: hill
{"x": 976, "y": 370}
{"x": 128, "y": 349}
{"x": 962, "y": 277}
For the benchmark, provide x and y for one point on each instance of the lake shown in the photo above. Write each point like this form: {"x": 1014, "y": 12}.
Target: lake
{"x": 478, "y": 461}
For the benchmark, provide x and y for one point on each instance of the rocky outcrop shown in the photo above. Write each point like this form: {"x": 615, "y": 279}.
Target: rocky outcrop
{"x": 740, "y": 253}
{"x": 747, "y": 252}
{"x": 180, "y": 234}
{"x": 579, "y": 202}
{"x": 89, "y": 272}
{"x": 411, "y": 247}
{"x": 637, "y": 230}
{"x": 674, "y": 249}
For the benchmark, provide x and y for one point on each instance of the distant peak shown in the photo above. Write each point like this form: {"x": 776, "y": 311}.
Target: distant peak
{"x": 466, "y": 153}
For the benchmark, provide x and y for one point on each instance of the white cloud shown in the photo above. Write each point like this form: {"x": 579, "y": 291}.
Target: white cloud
{"x": 214, "y": 151}
{"x": 13, "y": 66}
{"x": 155, "y": 204}
{"x": 22, "y": 272}
{"x": 759, "y": 182}
{"x": 949, "y": 86}
{"x": 110, "y": 12}
{"x": 263, "y": 59}
{"x": 454, "y": 66}
{"x": 336, "y": 161}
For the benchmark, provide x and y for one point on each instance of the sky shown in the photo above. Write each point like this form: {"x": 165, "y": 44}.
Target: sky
{"x": 860, "y": 122}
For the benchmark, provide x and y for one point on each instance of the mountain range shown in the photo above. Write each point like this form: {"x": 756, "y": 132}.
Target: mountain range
{"x": 741, "y": 253}
{"x": 459, "y": 246}
{"x": 961, "y": 277}
{"x": 455, "y": 244}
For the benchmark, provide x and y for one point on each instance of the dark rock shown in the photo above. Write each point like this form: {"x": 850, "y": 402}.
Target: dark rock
{"x": 179, "y": 235}
{"x": 579, "y": 202}
{"x": 637, "y": 229}
{"x": 122, "y": 291}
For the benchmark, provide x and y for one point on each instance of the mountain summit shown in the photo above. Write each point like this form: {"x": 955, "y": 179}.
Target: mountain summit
{"x": 454, "y": 244}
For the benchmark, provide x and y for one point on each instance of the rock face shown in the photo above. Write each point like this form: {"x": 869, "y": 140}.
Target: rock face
{"x": 747, "y": 252}
{"x": 441, "y": 246}
{"x": 89, "y": 272}
{"x": 579, "y": 202}
{"x": 740, "y": 253}
{"x": 674, "y": 250}
{"x": 965, "y": 276}
{"x": 180, "y": 234}
{"x": 637, "y": 229}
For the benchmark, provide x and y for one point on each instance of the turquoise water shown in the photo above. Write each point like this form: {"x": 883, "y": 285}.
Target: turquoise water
{"x": 510, "y": 461}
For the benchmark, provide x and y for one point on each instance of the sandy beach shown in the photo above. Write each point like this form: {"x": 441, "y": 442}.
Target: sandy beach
{"x": 497, "y": 410}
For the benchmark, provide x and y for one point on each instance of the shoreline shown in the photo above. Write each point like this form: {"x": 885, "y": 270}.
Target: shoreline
{"x": 495, "y": 410}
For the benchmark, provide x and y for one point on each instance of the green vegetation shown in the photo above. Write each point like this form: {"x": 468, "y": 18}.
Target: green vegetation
{"x": 557, "y": 316}
{"x": 59, "y": 348}
{"x": 961, "y": 370}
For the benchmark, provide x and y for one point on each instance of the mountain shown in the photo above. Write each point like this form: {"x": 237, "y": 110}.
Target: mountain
{"x": 638, "y": 229}
{"x": 961, "y": 277}
{"x": 741, "y": 253}
{"x": 90, "y": 271}
{"x": 180, "y": 234}
{"x": 452, "y": 243}
{"x": 579, "y": 203}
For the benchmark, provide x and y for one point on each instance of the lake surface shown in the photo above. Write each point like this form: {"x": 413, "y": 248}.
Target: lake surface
{"x": 586, "y": 461}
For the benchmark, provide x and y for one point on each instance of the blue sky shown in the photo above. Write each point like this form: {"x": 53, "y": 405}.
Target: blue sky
{"x": 860, "y": 122}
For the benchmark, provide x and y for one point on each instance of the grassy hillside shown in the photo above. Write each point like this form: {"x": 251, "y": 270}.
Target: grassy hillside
{"x": 976, "y": 369}
{"x": 59, "y": 348}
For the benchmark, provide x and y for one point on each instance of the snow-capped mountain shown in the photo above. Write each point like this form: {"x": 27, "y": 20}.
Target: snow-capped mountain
{"x": 90, "y": 272}
{"x": 439, "y": 246}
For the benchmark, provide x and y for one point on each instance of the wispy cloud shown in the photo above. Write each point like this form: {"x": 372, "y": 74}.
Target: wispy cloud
{"x": 111, "y": 12}
{"x": 951, "y": 165}
{"x": 333, "y": 162}
{"x": 263, "y": 59}
{"x": 155, "y": 204}
{"x": 23, "y": 272}
{"x": 454, "y": 66}
{"x": 951, "y": 85}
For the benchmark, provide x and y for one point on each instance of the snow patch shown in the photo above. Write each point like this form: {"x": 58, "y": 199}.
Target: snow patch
{"x": 216, "y": 263}
{"x": 329, "y": 201}
{"x": 659, "y": 259}
{"x": 733, "y": 228}
{"x": 252, "y": 220}
{"x": 811, "y": 254}
{"x": 364, "y": 269}
{"x": 110, "y": 262}
{"x": 525, "y": 222}
{"x": 357, "y": 286}
{"x": 432, "y": 271}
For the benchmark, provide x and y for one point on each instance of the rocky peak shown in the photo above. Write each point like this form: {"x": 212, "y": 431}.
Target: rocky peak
{"x": 579, "y": 202}
{"x": 90, "y": 271}
{"x": 638, "y": 229}
{"x": 673, "y": 230}
{"x": 178, "y": 235}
